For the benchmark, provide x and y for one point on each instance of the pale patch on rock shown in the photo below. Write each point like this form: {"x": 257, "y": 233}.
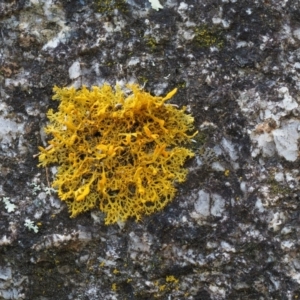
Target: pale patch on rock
{"x": 276, "y": 221}
{"x": 279, "y": 176}
{"x": 230, "y": 149}
{"x": 218, "y": 290}
{"x": 5, "y": 273}
{"x": 274, "y": 134}
{"x": 139, "y": 244}
{"x": 206, "y": 205}
{"x": 287, "y": 245}
{"x": 5, "y": 241}
{"x": 265, "y": 144}
{"x": 202, "y": 205}
{"x": 216, "y": 20}
{"x": 259, "y": 206}
{"x": 74, "y": 70}
{"x": 9, "y": 130}
{"x": 286, "y": 139}
{"x": 56, "y": 15}
{"x": 227, "y": 247}
{"x": 218, "y": 205}
{"x": 296, "y": 33}
{"x": 288, "y": 103}
{"x": 217, "y": 166}
{"x": 133, "y": 61}
{"x": 155, "y": 4}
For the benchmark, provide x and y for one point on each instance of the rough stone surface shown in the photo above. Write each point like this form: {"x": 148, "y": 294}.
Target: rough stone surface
{"x": 233, "y": 230}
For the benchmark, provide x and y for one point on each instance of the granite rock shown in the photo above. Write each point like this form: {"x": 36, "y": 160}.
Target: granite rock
{"x": 232, "y": 231}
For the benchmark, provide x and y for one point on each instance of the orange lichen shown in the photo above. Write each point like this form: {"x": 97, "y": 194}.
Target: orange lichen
{"x": 120, "y": 152}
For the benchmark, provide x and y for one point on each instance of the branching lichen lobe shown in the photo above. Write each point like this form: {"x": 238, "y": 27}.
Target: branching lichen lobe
{"x": 123, "y": 153}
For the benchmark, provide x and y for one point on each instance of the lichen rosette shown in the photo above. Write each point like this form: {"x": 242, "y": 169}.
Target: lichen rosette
{"x": 120, "y": 152}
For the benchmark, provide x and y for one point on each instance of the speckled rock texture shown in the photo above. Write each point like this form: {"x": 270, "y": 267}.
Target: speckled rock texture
{"x": 232, "y": 232}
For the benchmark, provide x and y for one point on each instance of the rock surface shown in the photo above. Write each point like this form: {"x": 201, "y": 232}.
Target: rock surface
{"x": 232, "y": 231}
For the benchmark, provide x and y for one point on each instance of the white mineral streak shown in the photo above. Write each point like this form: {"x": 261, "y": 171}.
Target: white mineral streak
{"x": 59, "y": 240}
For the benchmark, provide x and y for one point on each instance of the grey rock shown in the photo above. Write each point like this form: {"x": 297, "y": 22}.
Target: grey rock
{"x": 232, "y": 231}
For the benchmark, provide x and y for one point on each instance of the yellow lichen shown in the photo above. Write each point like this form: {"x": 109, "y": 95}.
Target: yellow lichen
{"x": 120, "y": 152}
{"x": 226, "y": 173}
{"x": 172, "y": 278}
{"x": 114, "y": 287}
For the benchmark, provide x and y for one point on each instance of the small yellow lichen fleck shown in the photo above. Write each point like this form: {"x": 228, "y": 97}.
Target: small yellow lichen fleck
{"x": 226, "y": 173}
{"x": 122, "y": 153}
{"x": 171, "y": 278}
{"x": 114, "y": 287}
